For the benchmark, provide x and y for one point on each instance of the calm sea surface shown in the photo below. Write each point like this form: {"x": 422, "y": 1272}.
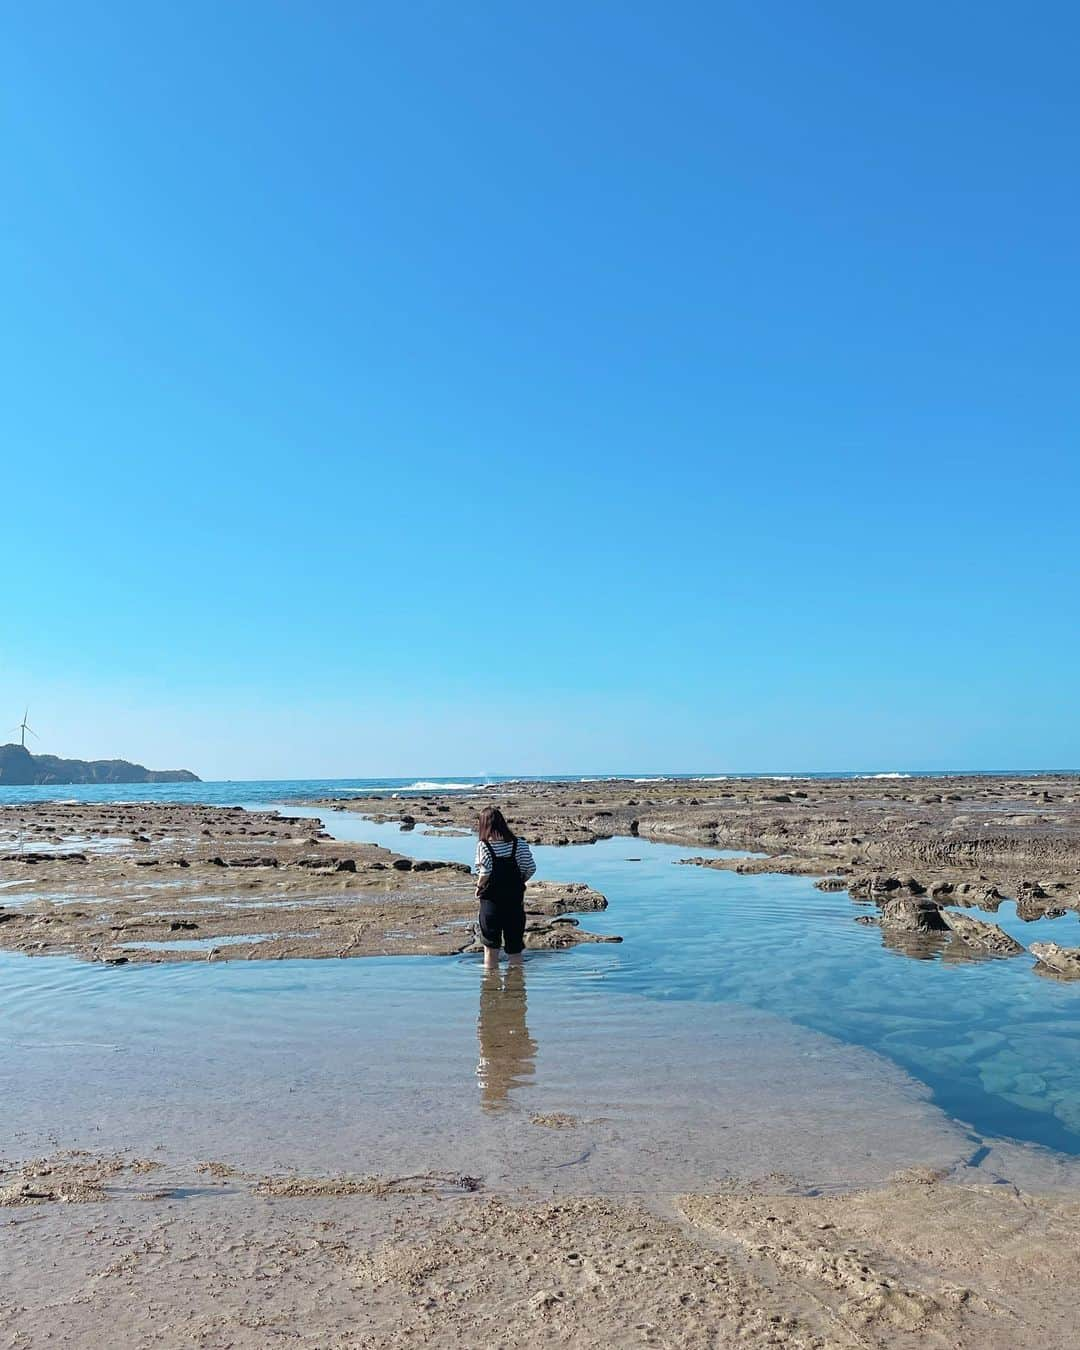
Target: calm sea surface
{"x": 744, "y": 1024}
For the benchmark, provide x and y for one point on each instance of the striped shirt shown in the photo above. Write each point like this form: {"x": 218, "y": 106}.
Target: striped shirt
{"x": 501, "y": 849}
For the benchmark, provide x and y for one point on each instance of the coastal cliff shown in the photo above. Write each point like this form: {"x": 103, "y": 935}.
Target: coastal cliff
{"x": 19, "y": 768}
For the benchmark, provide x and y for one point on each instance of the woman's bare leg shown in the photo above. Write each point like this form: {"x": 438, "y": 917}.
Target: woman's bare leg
{"x": 491, "y": 958}
{"x": 515, "y": 960}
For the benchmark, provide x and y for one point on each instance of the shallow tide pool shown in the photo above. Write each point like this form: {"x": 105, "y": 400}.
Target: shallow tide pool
{"x": 746, "y": 1024}
{"x": 997, "y": 1044}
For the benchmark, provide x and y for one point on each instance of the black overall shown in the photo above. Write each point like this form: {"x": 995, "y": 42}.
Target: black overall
{"x": 502, "y": 903}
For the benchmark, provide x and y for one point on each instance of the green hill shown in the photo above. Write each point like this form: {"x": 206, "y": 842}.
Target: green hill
{"x": 18, "y": 767}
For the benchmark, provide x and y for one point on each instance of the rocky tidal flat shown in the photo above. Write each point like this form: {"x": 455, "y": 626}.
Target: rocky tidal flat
{"x": 1010, "y": 827}
{"x": 152, "y": 882}
{"x": 919, "y": 849}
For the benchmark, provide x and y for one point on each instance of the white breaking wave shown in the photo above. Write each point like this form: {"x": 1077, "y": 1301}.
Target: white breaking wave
{"x": 424, "y": 786}
{"x": 886, "y": 775}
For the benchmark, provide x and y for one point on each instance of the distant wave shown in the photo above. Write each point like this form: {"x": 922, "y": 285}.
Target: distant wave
{"x": 424, "y": 786}
{"x": 885, "y": 775}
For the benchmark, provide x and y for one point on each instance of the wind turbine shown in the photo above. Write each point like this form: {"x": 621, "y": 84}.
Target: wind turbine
{"x": 23, "y": 728}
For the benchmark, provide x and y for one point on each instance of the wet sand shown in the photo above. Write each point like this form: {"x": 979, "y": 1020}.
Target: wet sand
{"x": 131, "y": 1255}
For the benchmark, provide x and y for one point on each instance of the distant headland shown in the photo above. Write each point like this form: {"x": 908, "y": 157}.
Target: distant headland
{"x": 19, "y": 768}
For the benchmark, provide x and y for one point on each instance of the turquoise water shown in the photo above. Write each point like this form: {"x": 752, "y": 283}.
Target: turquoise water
{"x": 747, "y": 1011}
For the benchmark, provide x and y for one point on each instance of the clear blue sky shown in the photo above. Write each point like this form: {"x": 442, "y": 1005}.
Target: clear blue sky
{"x": 446, "y": 388}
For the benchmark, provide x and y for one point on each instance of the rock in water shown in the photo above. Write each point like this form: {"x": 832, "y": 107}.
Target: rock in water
{"x": 562, "y": 897}
{"x": 1033, "y": 908}
{"x": 1031, "y": 890}
{"x": 985, "y": 937}
{"x": 1064, "y": 962}
{"x": 977, "y": 895}
{"x": 1034, "y": 902}
{"x": 912, "y": 913}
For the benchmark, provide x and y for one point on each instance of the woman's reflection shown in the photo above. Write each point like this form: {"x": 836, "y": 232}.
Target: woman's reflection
{"x": 507, "y": 1051}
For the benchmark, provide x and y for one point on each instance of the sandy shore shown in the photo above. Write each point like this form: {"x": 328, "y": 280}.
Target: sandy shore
{"x": 127, "y": 1253}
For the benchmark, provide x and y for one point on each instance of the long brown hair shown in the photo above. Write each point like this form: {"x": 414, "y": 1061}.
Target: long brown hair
{"x": 491, "y": 824}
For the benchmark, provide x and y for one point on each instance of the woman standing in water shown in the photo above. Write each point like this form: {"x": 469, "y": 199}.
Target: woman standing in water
{"x": 503, "y": 864}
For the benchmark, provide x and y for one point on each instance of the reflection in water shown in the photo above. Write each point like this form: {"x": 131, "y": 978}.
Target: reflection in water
{"x": 943, "y": 947}
{"x": 507, "y": 1051}
{"x": 919, "y": 946}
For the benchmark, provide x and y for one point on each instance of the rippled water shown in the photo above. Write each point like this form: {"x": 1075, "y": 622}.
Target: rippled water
{"x": 746, "y": 1024}
{"x": 397, "y": 1065}
{"x": 997, "y": 1044}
